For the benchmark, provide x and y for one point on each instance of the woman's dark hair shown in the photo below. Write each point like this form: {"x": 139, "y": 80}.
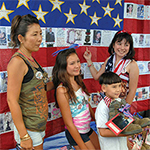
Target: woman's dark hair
{"x": 109, "y": 78}
{"x": 119, "y": 36}
{"x": 20, "y": 25}
{"x": 60, "y": 75}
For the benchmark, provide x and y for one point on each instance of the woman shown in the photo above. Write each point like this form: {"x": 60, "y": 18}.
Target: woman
{"x": 27, "y": 84}
{"x": 121, "y": 62}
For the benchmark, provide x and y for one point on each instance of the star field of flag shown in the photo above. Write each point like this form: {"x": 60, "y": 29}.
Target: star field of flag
{"x": 84, "y": 14}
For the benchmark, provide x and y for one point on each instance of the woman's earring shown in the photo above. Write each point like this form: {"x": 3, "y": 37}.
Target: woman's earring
{"x": 112, "y": 50}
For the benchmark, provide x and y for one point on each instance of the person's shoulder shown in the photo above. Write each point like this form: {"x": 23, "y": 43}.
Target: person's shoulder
{"x": 133, "y": 64}
{"x": 16, "y": 61}
{"x": 61, "y": 89}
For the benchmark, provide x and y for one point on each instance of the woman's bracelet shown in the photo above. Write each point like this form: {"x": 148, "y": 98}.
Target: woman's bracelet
{"x": 90, "y": 65}
{"x": 26, "y": 137}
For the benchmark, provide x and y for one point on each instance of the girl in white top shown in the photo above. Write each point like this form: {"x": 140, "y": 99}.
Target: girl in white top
{"x": 71, "y": 97}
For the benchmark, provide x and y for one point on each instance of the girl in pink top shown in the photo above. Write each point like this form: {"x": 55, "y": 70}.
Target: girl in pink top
{"x": 71, "y": 97}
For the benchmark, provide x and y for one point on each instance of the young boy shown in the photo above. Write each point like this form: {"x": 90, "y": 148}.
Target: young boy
{"x": 111, "y": 86}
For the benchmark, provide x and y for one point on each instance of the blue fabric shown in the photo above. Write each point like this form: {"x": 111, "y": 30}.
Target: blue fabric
{"x": 57, "y": 16}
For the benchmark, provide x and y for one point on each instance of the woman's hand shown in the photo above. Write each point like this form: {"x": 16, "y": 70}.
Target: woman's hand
{"x": 27, "y": 144}
{"x": 87, "y": 55}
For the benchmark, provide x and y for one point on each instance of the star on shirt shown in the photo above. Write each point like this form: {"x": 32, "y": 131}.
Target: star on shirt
{"x": 118, "y": 1}
{"x": 40, "y": 14}
{"x": 117, "y": 21}
{"x": 4, "y": 12}
{"x": 23, "y": 2}
{"x": 94, "y": 19}
{"x": 84, "y": 8}
{"x": 108, "y": 10}
{"x": 56, "y": 4}
{"x": 96, "y": 0}
{"x": 70, "y": 16}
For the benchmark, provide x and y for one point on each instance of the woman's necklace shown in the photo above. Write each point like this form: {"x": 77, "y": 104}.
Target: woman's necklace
{"x": 26, "y": 56}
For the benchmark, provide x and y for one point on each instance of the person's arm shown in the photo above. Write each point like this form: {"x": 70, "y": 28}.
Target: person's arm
{"x": 105, "y": 132}
{"x": 133, "y": 81}
{"x": 50, "y": 86}
{"x": 96, "y": 74}
{"x": 63, "y": 102}
{"x": 16, "y": 70}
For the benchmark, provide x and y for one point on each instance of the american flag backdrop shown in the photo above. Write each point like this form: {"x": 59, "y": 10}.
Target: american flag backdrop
{"x": 76, "y": 21}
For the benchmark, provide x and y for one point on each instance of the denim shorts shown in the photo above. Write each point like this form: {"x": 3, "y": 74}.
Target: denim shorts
{"x": 85, "y": 137}
{"x": 37, "y": 137}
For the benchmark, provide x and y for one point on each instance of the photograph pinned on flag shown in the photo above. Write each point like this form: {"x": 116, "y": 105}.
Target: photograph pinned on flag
{"x": 43, "y": 44}
{"x": 147, "y": 40}
{"x": 107, "y": 37}
{"x": 135, "y": 40}
{"x": 55, "y": 111}
{"x": 1, "y": 123}
{"x": 9, "y": 42}
{"x": 142, "y": 67}
{"x": 87, "y": 73}
{"x": 141, "y": 93}
{"x": 130, "y": 10}
{"x": 60, "y": 37}
{"x": 119, "y": 122}
{"x": 94, "y": 99}
{"x": 50, "y": 36}
{"x": 82, "y": 70}
{"x": 147, "y": 12}
{"x": 8, "y": 122}
{"x": 49, "y": 71}
{"x": 141, "y": 40}
{"x": 145, "y": 92}
{"x": 138, "y": 94}
{"x": 74, "y": 36}
{"x": 3, "y": 81}
{"x": 97, "y": 36}
{"x": 140, "y": 11}
{"x": 87, "y": 37}
{"x": 3, "y": 38}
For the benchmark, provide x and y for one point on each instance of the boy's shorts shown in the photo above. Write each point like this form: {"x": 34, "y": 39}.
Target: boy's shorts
{"x": 37, "y": 137}
{"x": 85, "y": 137}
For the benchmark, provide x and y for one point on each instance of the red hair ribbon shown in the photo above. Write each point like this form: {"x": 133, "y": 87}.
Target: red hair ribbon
{"x": 123, "y": 31}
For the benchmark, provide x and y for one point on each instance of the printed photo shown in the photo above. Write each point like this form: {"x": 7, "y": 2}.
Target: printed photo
{"x": 3, "y": 81}
{"x": 142, "y": 67}
{"x": 60, "y": 38}
{"x": 129, "y": 10}
{"x": 3, "y": 40}
{"x": 74, "y": 36}
{"x": 55, "y": 112}
{"x": 141, "y": 40}
{"x": 50, "y": 37}
{"x": 94, "y": 100}
{"x": 9, "y": 42}
{"x": 1, "y": 123}
{"x": 96, "y": 37}
{"x": 8, "y": 122}
{"x": 140, "y": 11}
{"x": 147, "y": 40}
